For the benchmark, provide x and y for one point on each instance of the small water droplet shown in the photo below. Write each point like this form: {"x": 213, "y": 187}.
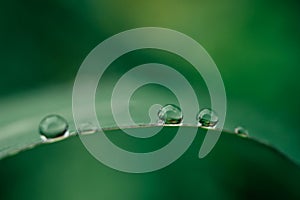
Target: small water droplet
{"x": 87, "y": 128}
{"x": 207, "y": 118}
{"x": 241, "y": 131}
{"x": 170, "y": 114}
{"x": 53, "y": 128}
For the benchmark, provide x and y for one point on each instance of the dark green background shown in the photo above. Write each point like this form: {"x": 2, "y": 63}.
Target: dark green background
{"x": 255, "y": 45}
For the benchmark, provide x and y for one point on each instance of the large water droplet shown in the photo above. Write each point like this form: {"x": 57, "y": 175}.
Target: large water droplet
{"x": 241, "y": 131}
{"x": 53, "y": 127}
{"x": 207, "y": 118}
{"x": 170, "y": 114}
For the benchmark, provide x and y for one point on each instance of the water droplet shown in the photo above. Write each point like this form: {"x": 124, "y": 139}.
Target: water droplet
{"x": 87, "y": 128}
{"x": 241, "y": 131}
{"x": 170, "y": 114}
{"x": 207, "y": 118}
{"x": 53, "y": 127}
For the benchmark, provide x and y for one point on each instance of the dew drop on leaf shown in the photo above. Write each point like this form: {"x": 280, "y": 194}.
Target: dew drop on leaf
{"x": 241, "y": 131}
{"x": 170, "y": 114}
{"x": 52, "y": 127}
{"x": 87, "y": 128}
{"x": 207, "y": 118}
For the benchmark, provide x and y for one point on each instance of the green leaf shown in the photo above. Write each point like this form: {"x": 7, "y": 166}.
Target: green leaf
{"x": 22, "y": 113}
{"x": 237, "y": 168}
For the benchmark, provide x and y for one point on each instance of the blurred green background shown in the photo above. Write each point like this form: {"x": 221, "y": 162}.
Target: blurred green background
{"x": 255, "y": 44}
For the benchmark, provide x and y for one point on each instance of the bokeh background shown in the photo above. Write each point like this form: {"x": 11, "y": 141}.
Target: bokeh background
{"x": 255, "y": 44}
